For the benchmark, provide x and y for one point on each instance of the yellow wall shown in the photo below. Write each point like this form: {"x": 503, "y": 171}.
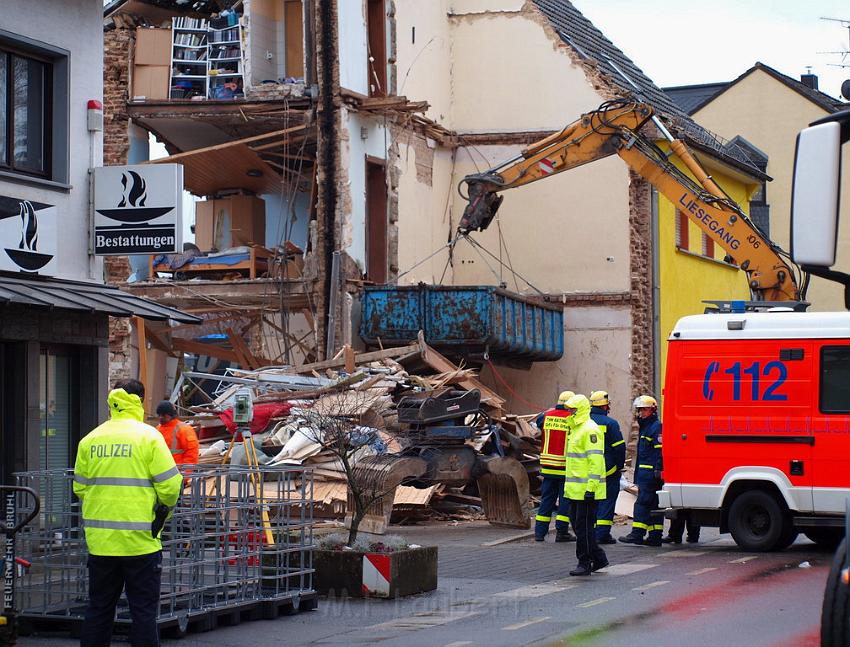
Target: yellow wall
{"x": 770, "y": 114}
{"x": 686, "y": 277}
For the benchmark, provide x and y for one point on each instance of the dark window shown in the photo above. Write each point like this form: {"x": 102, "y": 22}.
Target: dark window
{"x": 760, "y": 210}
{"x": 682, "y": 241}
{"x": 25, "y": 118}
{"x": 376, "y": 221}
{"x": 835, "y": 379}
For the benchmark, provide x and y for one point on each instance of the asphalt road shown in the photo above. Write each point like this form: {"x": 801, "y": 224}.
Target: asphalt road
{"x": 519, "y": 593}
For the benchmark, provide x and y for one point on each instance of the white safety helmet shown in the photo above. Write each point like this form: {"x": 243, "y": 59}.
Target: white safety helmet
{"x": 645, "y": 402}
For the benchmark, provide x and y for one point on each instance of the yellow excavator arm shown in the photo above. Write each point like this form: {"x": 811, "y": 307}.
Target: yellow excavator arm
{"x": 614, "y": 129}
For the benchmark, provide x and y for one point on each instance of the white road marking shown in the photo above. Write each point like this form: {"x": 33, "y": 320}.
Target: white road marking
{"x": 593, "y": 603}
{"x": 702, "y": 570}
{"x": 536, "y": 590}
{"x": 683, "y": 553}
{"x": 744, "y": 560}
{"x": 520, "y": 625}
{"x": 424, "y": 620}
{"x": 616, "y": 570}
{"x": 651, "y": 585}
{"x": 461, "y": 643}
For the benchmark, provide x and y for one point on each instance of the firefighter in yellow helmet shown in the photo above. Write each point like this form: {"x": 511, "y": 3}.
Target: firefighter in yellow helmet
{"x": 615, "y": 459}
{"x": 126, "y": 479}
{"x": 553, "y": 447}
{"x": 647, "y": 525}
{"x": 584, "y": 484}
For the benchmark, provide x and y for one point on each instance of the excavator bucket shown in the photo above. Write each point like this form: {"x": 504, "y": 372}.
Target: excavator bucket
{"x": 377, "y": 478}
{"x": 504, "y": 492}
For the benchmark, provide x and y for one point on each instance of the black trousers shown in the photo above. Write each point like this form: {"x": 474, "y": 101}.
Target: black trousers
{"x": 108, "y": 577}
{"x": 677, "y": 528}
{"x": 583, "y": 518}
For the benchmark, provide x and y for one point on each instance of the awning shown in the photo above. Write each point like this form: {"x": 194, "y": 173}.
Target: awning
{"x": 84, "y": 297}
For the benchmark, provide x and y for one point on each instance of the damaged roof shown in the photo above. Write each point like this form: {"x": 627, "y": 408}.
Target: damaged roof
{"x": 590, "y": 44}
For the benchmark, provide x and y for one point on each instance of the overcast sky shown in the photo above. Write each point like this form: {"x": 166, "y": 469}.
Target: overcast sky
{"x": 678, "y": 42}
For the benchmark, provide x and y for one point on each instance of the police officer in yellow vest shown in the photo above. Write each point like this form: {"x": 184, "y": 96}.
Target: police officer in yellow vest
{"x": 585, "y": 483}
{"x": 125, "y": 477}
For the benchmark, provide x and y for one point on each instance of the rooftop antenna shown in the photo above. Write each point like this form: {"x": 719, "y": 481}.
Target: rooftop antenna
{"x": 844, "y": 52}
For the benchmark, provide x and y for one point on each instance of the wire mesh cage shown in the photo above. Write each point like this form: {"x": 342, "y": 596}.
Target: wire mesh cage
{"x": 238, "y": 537}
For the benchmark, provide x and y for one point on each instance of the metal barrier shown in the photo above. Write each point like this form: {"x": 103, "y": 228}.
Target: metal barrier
{"x": 240, "y": 539}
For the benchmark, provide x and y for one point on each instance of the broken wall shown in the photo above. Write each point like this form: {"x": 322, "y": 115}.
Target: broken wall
{"x": 497, "y": 73}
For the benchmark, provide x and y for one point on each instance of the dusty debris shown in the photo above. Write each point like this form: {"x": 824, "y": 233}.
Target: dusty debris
{"x": 365, "y": 388}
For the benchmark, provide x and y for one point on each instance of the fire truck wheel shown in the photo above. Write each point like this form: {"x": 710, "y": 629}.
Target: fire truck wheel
{"x": 828, "y": 538}
{"x": 758, "y": 522}
{"x": 834, "y": 625}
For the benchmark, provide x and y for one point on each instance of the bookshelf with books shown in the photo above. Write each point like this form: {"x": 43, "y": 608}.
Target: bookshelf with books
{"x": 224, "y": 60}
{"x": 189, "y": 58}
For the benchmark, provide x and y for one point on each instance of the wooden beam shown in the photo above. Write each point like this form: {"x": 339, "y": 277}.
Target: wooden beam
{"x": 236, "y": 142}
{"x": 288, "y": 140}
{"x": 143, "y": 356}
{"x": 360, "y": 358}
{"x": 241, "y": 349}
{"x": 158, "y": 341}
{"x": 442, "y": 364}
{"x": 348, "y": 356}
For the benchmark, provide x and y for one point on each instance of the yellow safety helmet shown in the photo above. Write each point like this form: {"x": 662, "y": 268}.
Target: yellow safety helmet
{"x": 599, "y": 398}
{"x": 645, "y": 402}
{"x": 565, "y": 395}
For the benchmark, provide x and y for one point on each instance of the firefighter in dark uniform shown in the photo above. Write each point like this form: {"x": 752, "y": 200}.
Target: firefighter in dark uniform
{"x": 648, "y": 523}
{"x": 615, "y": 460}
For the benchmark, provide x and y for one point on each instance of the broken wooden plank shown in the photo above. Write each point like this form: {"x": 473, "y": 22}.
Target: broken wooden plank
{"x": 359, "y": 358}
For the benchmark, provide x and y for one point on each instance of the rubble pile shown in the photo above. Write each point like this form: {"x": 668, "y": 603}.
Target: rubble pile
{"x": 301, "y": 412}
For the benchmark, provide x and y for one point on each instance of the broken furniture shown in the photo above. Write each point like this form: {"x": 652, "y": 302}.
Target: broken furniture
{"x": 251, "y": 261}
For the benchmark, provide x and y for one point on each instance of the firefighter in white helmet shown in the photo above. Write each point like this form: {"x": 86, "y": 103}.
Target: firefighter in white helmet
{"x": 553, "y": 449}
{"x": 648, "y": 525}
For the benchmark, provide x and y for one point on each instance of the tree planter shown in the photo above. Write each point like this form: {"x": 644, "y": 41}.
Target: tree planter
{"x": 352, "y": 573}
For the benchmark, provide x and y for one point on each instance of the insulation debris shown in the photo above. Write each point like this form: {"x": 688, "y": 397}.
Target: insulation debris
{"x": 295, "y": 409}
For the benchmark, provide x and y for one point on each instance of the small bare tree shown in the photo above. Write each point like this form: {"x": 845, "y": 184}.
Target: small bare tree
{"x": 340, "y": 425}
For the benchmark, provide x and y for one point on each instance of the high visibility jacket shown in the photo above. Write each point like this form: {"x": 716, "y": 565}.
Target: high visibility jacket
{"x": 123, "y": 469}
{"x": 553, "y": 446}
{"x": 181, "y": 440}
{"x": 585, "y": 470}
{"x": 615, "y": 446}
{"x": 648, "y": 449}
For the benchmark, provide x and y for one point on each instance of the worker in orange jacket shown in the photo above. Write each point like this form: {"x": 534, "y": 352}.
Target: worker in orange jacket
{"x": 179, "y": 436}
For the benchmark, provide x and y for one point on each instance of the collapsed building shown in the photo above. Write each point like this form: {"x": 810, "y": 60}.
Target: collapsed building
{"x": 326, "y": 138}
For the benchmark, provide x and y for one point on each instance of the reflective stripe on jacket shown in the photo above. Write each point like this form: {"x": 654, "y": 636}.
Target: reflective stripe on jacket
{"x": 648, "y": 449}
{"x": 123, "y": 469}
{"x": 183, "y": 443}
{"x": 615, "y": 446}
{"x": 553, "y": 444}
{"x": 585, "y": 471}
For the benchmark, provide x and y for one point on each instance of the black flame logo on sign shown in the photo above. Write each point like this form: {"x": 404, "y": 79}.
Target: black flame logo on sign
{"x": 131, "y": 208}
{"x": 27, "y": 256}
{"x": 137, "y": 193}
{"x": 29, "y": 227}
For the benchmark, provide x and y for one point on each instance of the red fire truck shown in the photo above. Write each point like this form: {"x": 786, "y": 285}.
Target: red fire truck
{"x": 757, "y": 404}
{"x": 757, "y": 424}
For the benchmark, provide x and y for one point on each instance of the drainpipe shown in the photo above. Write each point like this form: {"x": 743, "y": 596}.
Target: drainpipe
{"x": 656, "y": 295}
{"x": 328, "y": 158}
